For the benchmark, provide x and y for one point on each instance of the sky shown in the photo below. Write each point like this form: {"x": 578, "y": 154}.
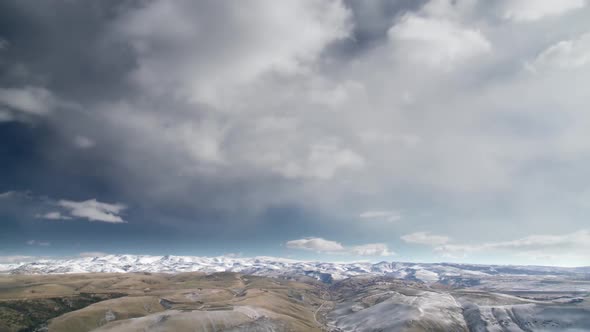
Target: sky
{"x": 336, "y": 130}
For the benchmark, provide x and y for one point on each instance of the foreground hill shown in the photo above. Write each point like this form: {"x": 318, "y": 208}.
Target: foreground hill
{"x": 157, "y": 302}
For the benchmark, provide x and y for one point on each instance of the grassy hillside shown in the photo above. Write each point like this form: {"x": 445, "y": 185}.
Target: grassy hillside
{"x": 84, "y": 302}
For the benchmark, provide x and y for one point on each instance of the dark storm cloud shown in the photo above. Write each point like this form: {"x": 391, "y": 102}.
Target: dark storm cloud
{"x": 61, "y": 45}
{"x": 65, "y": 47}
{"x": 372, "y": 21}
{"x": 58, "y": 46}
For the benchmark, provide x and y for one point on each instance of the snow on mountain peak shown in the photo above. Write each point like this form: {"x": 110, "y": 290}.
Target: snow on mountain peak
{"x": 265, "y": 266}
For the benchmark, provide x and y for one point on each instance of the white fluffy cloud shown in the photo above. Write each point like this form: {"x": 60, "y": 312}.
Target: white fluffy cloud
{"x": 533, "y": 10}
{"x": 321, "y": 245}
{"x": 316, "y": 244}
{"x": 94, "y": 210}
{"x": 44, "y": 207}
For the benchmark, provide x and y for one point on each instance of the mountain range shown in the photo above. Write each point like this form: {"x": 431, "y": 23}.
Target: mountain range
{"x": 446, "y": 273}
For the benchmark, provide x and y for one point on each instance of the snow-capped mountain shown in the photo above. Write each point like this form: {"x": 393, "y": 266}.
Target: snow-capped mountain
{"x": 271, "y": 266}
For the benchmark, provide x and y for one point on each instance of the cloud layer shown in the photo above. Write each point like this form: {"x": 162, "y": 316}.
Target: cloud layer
{"x": 357, "y": 122}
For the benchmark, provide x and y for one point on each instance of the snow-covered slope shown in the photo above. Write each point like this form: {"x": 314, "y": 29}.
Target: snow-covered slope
{"x": 271, "y": 266}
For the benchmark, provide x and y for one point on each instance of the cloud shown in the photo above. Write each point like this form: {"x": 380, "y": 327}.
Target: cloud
{"x": 435, "y": 41}
{"x": 202, "y": 39}
{"x": 94, "y": 210}
{"x": 371, "y": 249}
{"x": 530, "y": 243}
{"x": 17, "y": 196}
{"x": 322, "y": 162}
{"x": 4, "y": 44}
{"x": 8, "y": 194}
{"x": 6, "y": 116}
{"x": 44, "y": 207}
{"x": 321, "y": 245}
{"x": 388, "y": 216}
{"x": 533, "y": 10}
{"x": 83, "y": 142}
{"x": 581, "y": 237}
{"x": 315, "y": 243}
{"x": 565, "y": 54}
{"x": 193, "y": 141}
{"x": 425, "y": 238}
{"x": 29, "y": 99}
{"x": 38, "y": 243}
{"x": 53, "y": 215}
{"x": 562, "y": 249}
